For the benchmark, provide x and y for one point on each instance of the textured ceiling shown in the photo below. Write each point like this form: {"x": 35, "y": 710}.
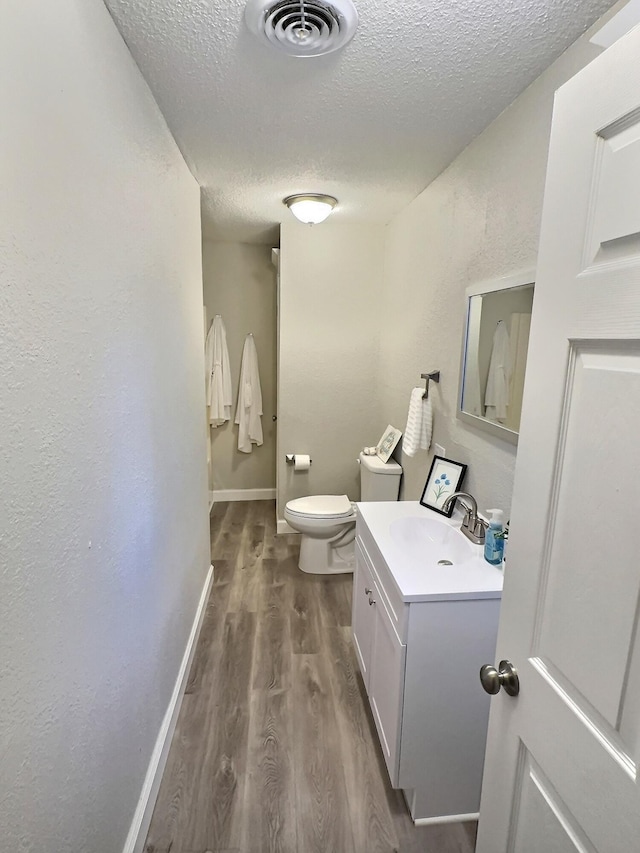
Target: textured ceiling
{"x": 372, "y": 124}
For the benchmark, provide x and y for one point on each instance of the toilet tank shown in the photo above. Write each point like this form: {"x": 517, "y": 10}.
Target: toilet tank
{"x": 379, "y": 481}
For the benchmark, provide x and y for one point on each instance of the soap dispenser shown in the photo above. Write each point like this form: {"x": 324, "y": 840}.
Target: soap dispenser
{"x": 494, "y": 538}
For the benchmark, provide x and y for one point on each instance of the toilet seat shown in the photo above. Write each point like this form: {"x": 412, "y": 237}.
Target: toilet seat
{"x": 328, "y": 527}
{"x": 329, "y": 507}
{"x": 327, "y": 523}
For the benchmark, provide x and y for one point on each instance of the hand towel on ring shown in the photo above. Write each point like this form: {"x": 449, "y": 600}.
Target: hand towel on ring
{"x": 417, "y": 433}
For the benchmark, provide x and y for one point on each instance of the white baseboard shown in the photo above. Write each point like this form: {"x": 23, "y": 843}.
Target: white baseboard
{"x": 144, "y": 810}
{"x": 211, "y": 501}
{"x": 243, "y": 495}
{"x": 451, "y": 818}
{"x": 283, "y": 527}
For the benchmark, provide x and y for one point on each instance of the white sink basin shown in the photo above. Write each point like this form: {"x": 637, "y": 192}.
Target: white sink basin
{"x": 432, "y": 541}
{"x": 427, "y": 556}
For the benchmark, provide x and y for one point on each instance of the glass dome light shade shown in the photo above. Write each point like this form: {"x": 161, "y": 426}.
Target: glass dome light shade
{"x": 311, "y": 208}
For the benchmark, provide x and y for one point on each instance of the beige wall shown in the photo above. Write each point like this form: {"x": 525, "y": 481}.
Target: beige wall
{"x": 479, "y": 220}
{"x": 104, "y": 545}
{"x": 331, "y": 307}
{"x": 240, "y": 284}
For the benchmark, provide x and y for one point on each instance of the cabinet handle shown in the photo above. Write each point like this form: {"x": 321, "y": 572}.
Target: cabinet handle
{"x": 372, "y": 601}
{"x": 367, "y": 591}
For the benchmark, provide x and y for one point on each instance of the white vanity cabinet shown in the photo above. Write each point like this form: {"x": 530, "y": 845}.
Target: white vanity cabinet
{"x": 420, "y": 649}
{"x": 381, "y": 656}
{"x": 363, "y": 618}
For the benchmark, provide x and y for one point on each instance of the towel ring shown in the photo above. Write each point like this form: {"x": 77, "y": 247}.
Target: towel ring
{"x": 434, "y": 376}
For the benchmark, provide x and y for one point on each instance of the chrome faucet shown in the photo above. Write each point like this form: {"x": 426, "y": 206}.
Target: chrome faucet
{"x": 472, "y": 526}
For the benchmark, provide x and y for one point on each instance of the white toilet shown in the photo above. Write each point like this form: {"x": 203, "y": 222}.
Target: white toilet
{"x": 328, "y": 522}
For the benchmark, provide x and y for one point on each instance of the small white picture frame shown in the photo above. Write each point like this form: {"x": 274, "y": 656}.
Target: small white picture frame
{"x": 387, "y": 444}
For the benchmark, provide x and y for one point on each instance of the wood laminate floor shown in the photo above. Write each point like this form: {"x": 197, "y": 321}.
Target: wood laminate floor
{"x": 275, "y": 749}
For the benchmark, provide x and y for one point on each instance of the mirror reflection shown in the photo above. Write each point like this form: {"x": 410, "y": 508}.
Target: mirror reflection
{"x": 495, "y": 356}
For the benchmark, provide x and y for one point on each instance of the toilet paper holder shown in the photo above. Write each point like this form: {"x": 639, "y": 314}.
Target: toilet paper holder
{"x": 291, "y": 459}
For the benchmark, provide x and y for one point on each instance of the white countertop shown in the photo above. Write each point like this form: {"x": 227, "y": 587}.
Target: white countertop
{"x": 412, "y": 560}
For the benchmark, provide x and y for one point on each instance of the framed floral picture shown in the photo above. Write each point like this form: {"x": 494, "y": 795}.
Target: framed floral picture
{"x": 445, "y": 478}
{"x": 387, "y": 444}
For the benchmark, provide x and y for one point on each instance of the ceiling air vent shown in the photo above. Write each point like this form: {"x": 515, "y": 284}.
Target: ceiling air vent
{"x": 303, "y": 27}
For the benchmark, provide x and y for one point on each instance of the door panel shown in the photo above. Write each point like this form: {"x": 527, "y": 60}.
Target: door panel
{"x": 589, "y": 595}
{"x": 615, "y": 216}
{"x": 561, "y": 771}
{"x": 541, "y": 822}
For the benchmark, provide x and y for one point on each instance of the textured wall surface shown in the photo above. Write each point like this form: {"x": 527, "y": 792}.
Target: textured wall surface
{"x": 240, "y": 283}
{"x": 331, "y": 307}
{"x": 479, "y": 220}
{"x": 103, "y": 524}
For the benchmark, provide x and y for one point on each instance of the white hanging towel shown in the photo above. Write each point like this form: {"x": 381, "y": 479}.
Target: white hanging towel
{"x": 496, "y": 397}
{"x": 219, "y": 397}
{"x": 249, "y": 410}
{"x": 417, "y": 433}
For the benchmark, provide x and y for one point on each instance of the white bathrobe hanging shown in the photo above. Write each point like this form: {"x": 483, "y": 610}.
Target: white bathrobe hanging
{"x": 249, "y": 410}
{"x": 219, "y": 395}
{"x": 496, "y": 398}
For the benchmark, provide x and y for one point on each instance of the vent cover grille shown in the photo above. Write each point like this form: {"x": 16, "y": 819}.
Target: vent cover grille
{"x": 303, "y": 27}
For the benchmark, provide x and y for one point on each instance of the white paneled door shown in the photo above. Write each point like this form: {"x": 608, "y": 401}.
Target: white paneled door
{"x": 563, "y": 757}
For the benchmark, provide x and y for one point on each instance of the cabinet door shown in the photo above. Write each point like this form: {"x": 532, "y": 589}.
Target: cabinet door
{"x": 363, "y": 614}
{"x": 386, "y": 688}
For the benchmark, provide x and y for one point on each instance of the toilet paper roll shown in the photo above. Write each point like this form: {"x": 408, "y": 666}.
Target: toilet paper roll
{"x": 301, "y": 462}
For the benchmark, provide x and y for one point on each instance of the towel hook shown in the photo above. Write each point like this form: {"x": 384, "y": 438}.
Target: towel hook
{"x": 434, "y": 376}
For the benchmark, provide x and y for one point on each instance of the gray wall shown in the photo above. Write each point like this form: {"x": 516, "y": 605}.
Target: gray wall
{"x": 366, "y": 310}
{"x": 240, "y": 284}
{"x": 104, "y": 543}
{"x": 331, "y": 308}
{"x": 479, "y": 220}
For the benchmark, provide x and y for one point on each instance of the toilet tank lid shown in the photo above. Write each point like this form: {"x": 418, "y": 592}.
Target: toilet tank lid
{"x": 375, "y": 464}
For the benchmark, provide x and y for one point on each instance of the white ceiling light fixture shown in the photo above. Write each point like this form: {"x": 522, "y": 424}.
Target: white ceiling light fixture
{"x": 303, "y": 27}
{"x": 310, "y": 208}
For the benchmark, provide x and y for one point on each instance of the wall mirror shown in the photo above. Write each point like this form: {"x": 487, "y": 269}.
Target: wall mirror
{"x": 494, "y": 354}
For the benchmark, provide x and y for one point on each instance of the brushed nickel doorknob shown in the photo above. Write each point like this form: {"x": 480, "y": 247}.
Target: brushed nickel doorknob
{"x": 372, "y": 601}
{"x": 367, "y": 591}
{"x": 506, "y": 675}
